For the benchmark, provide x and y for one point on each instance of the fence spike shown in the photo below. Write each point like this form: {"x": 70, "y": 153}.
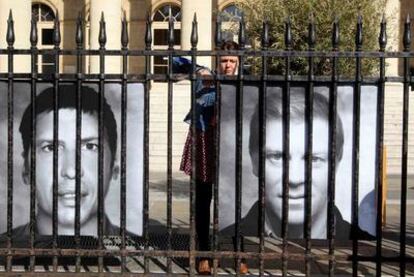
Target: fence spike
{"x": 10, "y": 37}
{"x": 311, "y": 32}
{"x": 102, "y": 31}
{"x": 148, "y": 34}
{"x": 56, "y": 31}
{"x": 218, "y": 38}
{"x": 194, "y": 32}
{"x": 288, "y": 33}
{"x": 242, "y": 33}
{"x": 382, "y": 39}
{"x": 170, "y": 33}
{"x": 407, "y": 34}
{"x": 358, "y": 35}
{"x": 79, "y": 31}
{"x": 33, "y": 32}
{"x": 335, "y": 33}
{"x": 124, "y": 34}
{"x": 265, "y": 34}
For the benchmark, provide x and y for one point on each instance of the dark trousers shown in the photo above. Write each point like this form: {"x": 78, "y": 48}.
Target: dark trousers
{"x": 204, "y": 194}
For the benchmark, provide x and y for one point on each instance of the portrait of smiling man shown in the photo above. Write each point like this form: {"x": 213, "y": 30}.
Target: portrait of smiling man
{"x": 66, "y": 167}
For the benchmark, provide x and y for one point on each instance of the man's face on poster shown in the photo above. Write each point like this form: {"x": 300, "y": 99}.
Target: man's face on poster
{"x": 297, "y": 163}
{"x": 67, "y": 166}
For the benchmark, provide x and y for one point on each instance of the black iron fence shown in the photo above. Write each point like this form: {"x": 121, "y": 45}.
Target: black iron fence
{"x": 57, "y": 251}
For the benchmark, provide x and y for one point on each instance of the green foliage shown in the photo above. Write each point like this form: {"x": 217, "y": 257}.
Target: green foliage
{"x": 323, "y": 13}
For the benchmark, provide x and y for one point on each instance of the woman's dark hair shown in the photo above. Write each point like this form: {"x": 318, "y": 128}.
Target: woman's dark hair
{"x": 229, "y": 45}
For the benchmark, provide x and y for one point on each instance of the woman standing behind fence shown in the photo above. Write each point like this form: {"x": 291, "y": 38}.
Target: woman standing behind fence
{"x": 205, "y": 126}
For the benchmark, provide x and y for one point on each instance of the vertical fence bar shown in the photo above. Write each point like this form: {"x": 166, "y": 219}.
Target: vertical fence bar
{"x": 10, "y": 38}
{"x": 262, "y": 144}
{"x": 148, "y": 42}
{"x": 404, "y": 150}
{"x": 286, "y": 128}
{"x": 56, "y": 77}
{"x": 355, "y": 146}
{"x": 193, "y": 184}
{"x": 33, "y": 91}
{"x": 102, "y": 41}
{"x": 218, "y": 43}
{"x": 239, "y": 145}
{"x": 169, "y": 138}
{"x": 308, "y": 145}
{"x": 332, "y": 152}
{"x": 124, "y": 105}
{"x": 382, "y": 40}
{"x": 79, "y": 78}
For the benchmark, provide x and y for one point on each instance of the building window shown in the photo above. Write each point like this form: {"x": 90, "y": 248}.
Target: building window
{"x": 44, "y": 16}
{"x": 42, "y": 12}
{"x": 231, "y": 13}
{"x": 161, "y": 18}
{"x": 166, "y": 12}
{"x": 230, "y": 17}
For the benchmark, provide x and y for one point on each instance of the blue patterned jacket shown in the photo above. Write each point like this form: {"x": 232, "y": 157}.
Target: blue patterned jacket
{"x": 205, "y": 96}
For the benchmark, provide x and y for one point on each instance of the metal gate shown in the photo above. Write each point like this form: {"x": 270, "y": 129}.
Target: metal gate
{"x": 174, "y": 253}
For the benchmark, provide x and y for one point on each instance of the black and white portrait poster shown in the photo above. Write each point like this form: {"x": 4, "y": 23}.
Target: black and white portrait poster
{"x": 66, "y": 171}
{"x": 297, "y": 141}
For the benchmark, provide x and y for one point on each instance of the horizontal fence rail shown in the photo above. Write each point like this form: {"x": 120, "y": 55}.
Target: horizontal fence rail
{"x": 175, "y": 251}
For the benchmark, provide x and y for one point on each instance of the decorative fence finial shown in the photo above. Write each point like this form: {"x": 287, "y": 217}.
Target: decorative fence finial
{"x": 79, "y": 31}
{"x": 242, "y": 33}
{"x": 335, "y": 33}
{"x": 311, "y": 32}
{"x": 288, "y": 33}
{"x": 170, "y": 33}
{"x": 10, "y": 38}
{"x": 56, "y": 31}
{"x": 358, "y": 35}
{"x": 407, "y": 33}
{"x": 124, "y": 32}
{"x": 148, "y": 34}
{"x": 382, "y": 39}
{"x": 218, "y": 38}
{"x": 102, "y": 31}
{"x": 194, "y": 32}
{"x": 265, "y": 34}
{"x": 33, "y": 32}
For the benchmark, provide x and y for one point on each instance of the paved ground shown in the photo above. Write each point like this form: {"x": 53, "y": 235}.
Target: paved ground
{"x": 391, "y": 245}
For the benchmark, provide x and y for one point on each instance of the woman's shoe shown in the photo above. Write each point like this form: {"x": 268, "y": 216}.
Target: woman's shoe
{"x": 204, "y": 267}
{"x": 244, "y": 269}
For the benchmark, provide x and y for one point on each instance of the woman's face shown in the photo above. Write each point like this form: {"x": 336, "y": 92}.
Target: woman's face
{"x": 228, "y": 65}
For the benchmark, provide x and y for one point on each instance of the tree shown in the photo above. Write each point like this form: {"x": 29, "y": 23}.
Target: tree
{"x": 323, "y": 12}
